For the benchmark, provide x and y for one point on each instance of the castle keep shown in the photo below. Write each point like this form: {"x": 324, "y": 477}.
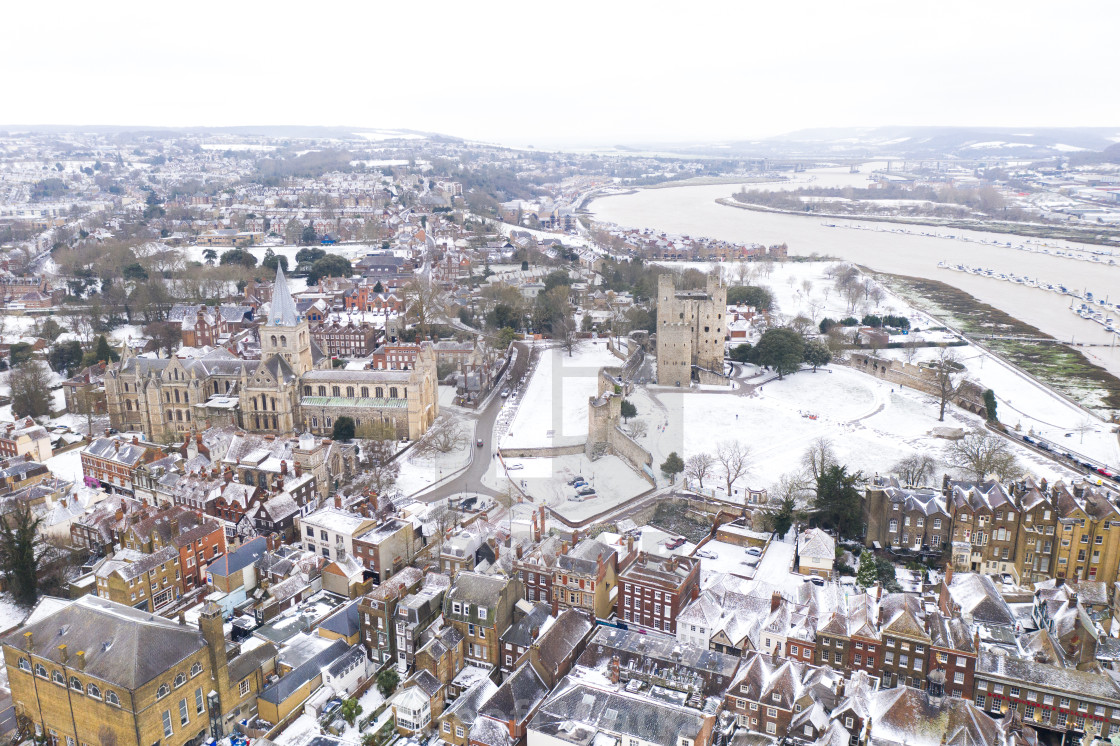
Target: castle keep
{"x": 690, "y": 333}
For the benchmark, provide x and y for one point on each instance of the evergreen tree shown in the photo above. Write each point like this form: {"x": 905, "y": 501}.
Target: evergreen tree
{"x": 782, "y": 349}
{"x": 343, "y": 429}
{"x": 837, "y": 501}
{"x": 673, "y": 466}
{"x": 19, "y": 552}
{"x": 628, "y": 410}
{"x": 868, "y": 570}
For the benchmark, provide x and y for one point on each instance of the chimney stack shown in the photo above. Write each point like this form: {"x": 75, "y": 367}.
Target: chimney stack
{"x": 338, "y": 501}
{"x": 283, "y": 468}
{"x": 27, "y": 639}
{"x": 563, "y": 547}
{"x": 299, "y": 470}
{"x": 775, "y": 601}
{"x": 182, "y": 618}
{"x": 62, "y": 654}
{"x": 81, "y": 660}
{"x": 616, "y": 669}
{"x": 575, "y": 537}
{"x": 949, "y": 575}
{"x": 517, "y": 551}
{"x": 534, "y": 633}
{"x": 555, "y": 602}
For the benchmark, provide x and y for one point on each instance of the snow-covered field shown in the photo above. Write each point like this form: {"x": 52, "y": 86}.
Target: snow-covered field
{"x": 870, "y": 423}
{"x": 553, "y": 408}
{"x": 420, "y": 472}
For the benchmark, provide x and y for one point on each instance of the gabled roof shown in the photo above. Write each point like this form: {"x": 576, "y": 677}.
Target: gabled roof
{"x": 517, "y": 698}
{"x": 245, "y": 555}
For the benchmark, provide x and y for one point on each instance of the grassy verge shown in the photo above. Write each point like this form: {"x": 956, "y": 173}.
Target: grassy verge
{"x": 1062, "y": 367}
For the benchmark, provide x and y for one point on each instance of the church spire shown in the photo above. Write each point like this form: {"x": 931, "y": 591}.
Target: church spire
{"x": 283, "y": 312}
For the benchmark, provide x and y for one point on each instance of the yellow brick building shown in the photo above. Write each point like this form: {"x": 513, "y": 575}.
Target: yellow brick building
{"x": 96, "y": 673}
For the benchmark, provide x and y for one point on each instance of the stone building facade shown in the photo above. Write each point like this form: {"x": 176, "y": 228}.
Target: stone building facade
{"x": 691, "y": 326}
{"x": 290, "y": 387}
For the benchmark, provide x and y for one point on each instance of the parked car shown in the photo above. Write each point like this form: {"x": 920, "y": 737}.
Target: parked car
{"x": 505, "y": 393}
{"x": 705, "y": 554}
{"x": 576, "y": 479}
{"x": 478, "y": 442}
{"x": 754, "y": 551}
{"x": 515, "y": 467}
{"x": 674, "y": 543}
{"x": 586, "y": 490}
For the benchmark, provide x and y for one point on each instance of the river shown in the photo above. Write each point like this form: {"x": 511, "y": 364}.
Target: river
{"x": 693, "y": 210}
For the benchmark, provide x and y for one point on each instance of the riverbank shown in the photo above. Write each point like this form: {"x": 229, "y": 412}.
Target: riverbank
{"x": 1054, "y": 363}
{"x": 1028, "y": 230}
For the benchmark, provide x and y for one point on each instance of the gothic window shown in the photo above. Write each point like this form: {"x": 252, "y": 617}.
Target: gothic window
{"x": 188, "y": 415}
{"x": 380, "y": 392}
{"x": 186, "y": 397}
{"x": 283, "y": 341}
{"x": 322, "y": 391}
{"x": 335, "y": 391}
{"x": 169, "y": 418}
{"x": 112, "y": 699}
{"x": 75, "y": 684}
{"x": 196, "y": 669}
{"x": 273, "y": 340}
{"x": 365, "y": 392}
{"x": 392, "y": 392}
{"x": 307, "y": 391}
{"x": 176, "y": 396}
{"x": 350, "y": 391}
{"x": 179, "y": 415}
{"x": 128, "y": 405}
{"x": 93, "y": 691}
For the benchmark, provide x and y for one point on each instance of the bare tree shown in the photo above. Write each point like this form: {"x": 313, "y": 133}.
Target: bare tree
{"x": 818, "y": 457}
{"x": 425, "y": 303}
{"x": 443, "y": 519}
{"x": 380, "y": 468}
{"x": 444, "y": 436}
{"x": 734, "y": 460}
{"x": 565, "y": 331}
{"x": 946, "y": 378}
{"x": 915, "y": 469}
{"x": 698, "y": 467}
{"x": 637, "y": 429}
{"x": 981, "y": 454}
{"x": 1085, "y": 426}
{"x": 910, "y": 350}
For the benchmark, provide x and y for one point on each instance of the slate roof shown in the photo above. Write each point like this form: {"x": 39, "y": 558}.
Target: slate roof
{"x": 465, "y": 708}
{"x": 576, "y": 712}
{"x": 517, "y": 698}
{"x": 345, "y": 622}
{"x": 557, "y": 644}
{"x": 123, "y": 646}
{"x": 303, "y": 673}
{"x": 245, "y": 555}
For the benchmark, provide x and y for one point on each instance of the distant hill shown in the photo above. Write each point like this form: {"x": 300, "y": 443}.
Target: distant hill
{"x": 967, "y": 143}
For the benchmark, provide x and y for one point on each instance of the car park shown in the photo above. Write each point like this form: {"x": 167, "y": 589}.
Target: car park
{"x": 586, "y": 490}
{"x": 576, "y": 479}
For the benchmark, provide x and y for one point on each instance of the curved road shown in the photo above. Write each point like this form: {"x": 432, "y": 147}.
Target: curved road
{"x": 470, "y": 481}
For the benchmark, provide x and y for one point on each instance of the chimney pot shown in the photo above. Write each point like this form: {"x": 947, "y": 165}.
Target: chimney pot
{"x": 775, "y": 601}
{"x": 563, "y": 547}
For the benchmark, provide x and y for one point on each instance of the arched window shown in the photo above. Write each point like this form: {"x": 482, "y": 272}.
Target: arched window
{"x": 176, "y": 396}
{"x": 350, "y": 391}
{"x": 307, "y": 391}
{"x": 111, "y": 698}
{"x": 180, "y": 680}
{"x": 274, "y": 404}
{"x": 273, "y": 340}
{"x": 379, "y": 392}
{"x": 406, "y": 392}
{"x": 327, "y": 422}
{"x": 283, "y": 341}
{"x": 392, "y": 392}
{"x": 163, "y": 691}
{"x": 314, "y": 422}
{"x": 365, "y": 392}
{"x": 58, "y": 678}
{"x": 227, "y": 387}
{"x": 186, "y": 397}
{"x": 167, "y": 396}
{"x": 170, "y": 417}
{"x": 322, "y": 391}
{"x": 40, "y": 670}
{"x": 188, "y": 415}
{"x": 335, "y": 391}
{"x": 179, "y": 415}
{"x": 24, "y": 665}
{"x": 196, "y": 669}
{"x": 75, "y": 684}
{"x": 93, "y": 691}
{"x": 128, "y": 405}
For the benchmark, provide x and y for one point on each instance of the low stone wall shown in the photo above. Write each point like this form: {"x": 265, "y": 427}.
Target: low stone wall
{"x": 628, "y": 449}
{"x": 969, "y": 397}
{"x": 547, "y": 452}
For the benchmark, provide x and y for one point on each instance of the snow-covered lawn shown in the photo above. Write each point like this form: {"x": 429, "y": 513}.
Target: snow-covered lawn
{"x": 553, "y": 407}
{"x": 870, "y": 423}
{"x": 11, "y": 614}
{"x": 67, "y": 465}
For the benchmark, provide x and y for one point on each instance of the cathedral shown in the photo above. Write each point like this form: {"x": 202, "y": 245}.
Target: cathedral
{"x": 291, "y": 387}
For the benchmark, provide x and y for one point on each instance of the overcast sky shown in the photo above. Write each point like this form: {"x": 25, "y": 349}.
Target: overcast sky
{"x": 563, "y": 73}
